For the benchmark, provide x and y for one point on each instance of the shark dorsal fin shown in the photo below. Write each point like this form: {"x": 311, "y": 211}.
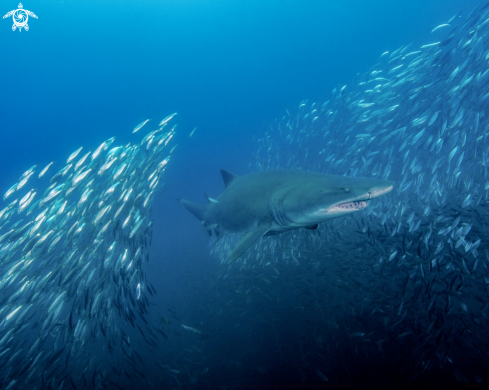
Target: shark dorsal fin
{"x": 228, "y": 177}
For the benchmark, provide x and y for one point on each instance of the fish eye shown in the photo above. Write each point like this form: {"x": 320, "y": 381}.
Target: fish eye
{"x": 346, "y": 189}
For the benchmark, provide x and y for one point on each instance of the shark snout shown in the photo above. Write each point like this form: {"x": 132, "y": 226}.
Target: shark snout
{"x": 380, "y": 190}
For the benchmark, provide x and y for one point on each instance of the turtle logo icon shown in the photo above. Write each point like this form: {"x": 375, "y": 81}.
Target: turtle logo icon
{"x": 20, "y": 17}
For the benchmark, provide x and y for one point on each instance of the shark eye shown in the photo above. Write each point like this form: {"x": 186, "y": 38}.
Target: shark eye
{"x": 346, "y": 189}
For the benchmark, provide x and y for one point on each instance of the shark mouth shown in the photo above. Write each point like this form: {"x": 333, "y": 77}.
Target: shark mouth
{"x": 350, "y": 206}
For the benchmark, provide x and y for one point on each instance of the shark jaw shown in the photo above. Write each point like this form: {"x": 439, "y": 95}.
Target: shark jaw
{"x": 350, "y": 206}
{"x": 347, "y": 207}
{"x": 337, "y": 210}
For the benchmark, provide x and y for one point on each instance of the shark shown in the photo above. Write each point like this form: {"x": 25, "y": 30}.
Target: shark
{"x": 274, "y": 201}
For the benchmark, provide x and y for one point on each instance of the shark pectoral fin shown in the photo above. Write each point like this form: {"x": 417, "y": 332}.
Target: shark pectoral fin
{"x": 248, "y": 239}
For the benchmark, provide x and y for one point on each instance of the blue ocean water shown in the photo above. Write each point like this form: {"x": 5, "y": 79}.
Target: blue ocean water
{"x": 87, "y": 71}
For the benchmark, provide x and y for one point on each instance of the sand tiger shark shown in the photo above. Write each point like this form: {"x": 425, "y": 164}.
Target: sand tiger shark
{"x": 271, "y": 202}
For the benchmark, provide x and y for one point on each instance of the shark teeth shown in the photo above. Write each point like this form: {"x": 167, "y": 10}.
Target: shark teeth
{"x": 357, "y": 205}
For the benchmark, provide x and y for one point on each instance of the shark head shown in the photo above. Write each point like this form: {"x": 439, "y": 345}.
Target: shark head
{"x": 322, "y": 197}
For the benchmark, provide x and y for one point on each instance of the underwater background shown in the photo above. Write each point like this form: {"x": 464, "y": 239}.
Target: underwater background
{"x": 390, "y": 298}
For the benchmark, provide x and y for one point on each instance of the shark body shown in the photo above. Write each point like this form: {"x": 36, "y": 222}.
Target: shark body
{"x": 270, "y": 202}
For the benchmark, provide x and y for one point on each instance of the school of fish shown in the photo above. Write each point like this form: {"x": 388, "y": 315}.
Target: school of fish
{"x": 402, "y": 283}
{"x": 416, "y": 262}
{"x": 71, "y": 259}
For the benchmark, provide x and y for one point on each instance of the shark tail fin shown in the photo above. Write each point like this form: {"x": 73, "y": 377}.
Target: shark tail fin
{"x": 199, "y": 212}
{"x": 196, "y": 209}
